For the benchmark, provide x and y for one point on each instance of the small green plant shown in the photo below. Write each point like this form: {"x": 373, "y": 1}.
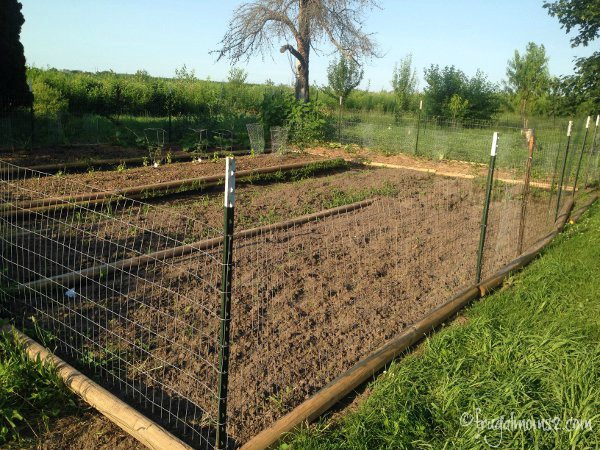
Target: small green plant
{"x": 122, "y": 167}
{"x": 145, "y": 161}
{"x": 155, "y": 153}
{"x": 169, "y": 157}
{"x": 31, "y": 395}
{"x": 280, "y": 398}
{"x": 215, "y": 157}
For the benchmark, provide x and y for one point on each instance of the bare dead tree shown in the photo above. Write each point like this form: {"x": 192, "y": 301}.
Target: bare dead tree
{"x": 303, "y": 25}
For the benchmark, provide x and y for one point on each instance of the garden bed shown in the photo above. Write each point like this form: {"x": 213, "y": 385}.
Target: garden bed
{"x": 20, "y": 187}
{"x": 308, "y": 301}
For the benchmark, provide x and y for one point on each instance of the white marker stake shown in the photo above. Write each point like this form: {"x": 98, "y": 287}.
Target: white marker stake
{"x": 420, "y": 104}
{"x": 569, "y": 128}
{"x": 587, "y": 123}
{"x": 494, "y": 144}
{"x": 597, "y": 120}
{"x": 229, "y": 182}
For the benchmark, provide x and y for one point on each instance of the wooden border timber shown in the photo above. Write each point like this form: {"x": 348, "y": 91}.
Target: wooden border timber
{"x": 183, "y": 250}
{"x": 117, "y": 411}
{"x": 364, "y": 370}
{"x": 83, "y": 165}
{"x": 24, "y": 206}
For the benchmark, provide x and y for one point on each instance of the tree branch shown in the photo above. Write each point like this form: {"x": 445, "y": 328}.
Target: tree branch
{"x": 294, "y": 52}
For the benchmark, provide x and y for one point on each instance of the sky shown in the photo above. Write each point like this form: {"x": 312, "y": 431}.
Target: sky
{"x": 160, "y": 36}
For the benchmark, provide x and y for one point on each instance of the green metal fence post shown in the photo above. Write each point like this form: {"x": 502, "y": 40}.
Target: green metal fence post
{"x": 587, "y": 129}
{"x": 418, "y": 127}
{"x": 591, "y": 154}
{"x": 562, "y": 173}
{"x": 226, "y": 301}
{"x": 486, "y": 205}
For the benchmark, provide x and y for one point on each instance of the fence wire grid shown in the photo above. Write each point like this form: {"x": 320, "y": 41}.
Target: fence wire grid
{"x": 135, "y": 326}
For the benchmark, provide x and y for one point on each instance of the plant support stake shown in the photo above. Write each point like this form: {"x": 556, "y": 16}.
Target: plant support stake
{"x": 591, "y": 154}
{"x": 525, "y": 196}
{"x": 587, "y": 129}
{"x": 562, "y": 173}
{"x": 486, "y": 206}
{"x": 418, "y": 127}
{"x": 226, "y": 300}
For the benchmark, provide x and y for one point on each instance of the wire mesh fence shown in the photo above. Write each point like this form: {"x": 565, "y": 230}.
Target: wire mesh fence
{"x": 132, "y": 292}
{"x": 99, "y": 278}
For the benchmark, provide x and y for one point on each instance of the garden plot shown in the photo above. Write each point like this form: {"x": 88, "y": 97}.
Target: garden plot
{"x": 308, "y": 300}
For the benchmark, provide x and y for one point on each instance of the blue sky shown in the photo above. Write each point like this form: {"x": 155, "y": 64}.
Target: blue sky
{"x": 159, "y": 36}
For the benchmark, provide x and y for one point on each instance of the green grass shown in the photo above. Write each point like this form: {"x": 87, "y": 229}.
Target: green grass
{"x": 529, "y": 351}
{"x": 31, "y": 394}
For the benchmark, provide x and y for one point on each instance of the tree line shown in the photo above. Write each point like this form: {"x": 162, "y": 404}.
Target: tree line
{"x": 448, "y": 91}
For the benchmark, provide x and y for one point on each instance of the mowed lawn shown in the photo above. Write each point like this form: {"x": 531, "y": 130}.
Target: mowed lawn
{"x": 520, "y": 369}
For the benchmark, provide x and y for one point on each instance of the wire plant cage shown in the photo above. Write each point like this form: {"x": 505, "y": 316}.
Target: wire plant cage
{"x": 279, "y": 140}
{"x": 256, "y": 134}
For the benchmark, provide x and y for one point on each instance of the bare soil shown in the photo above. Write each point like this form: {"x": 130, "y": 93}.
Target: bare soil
{"x": 69, "y": 154}
{"x": 98, "y": 181}
{"x": 405, "y": 160}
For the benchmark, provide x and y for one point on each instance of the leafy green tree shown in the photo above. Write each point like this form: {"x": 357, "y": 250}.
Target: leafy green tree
{"x": 483, "y": 97}
{"x": 404, "y": 82}
{"x": 236, "y": 82}
{"x": 585, "y": 16}
{"x": 343, "y": 76}
{"x": 49, "y": 102}
{"x": 13, "y": 82}
{"x": 528, "y": 78}
{"x": 443, "y": 84}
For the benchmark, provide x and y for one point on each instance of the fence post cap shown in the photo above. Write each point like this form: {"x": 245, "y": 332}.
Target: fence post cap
{"x": 229, "y": 182}
{"x": 494, "y": 143}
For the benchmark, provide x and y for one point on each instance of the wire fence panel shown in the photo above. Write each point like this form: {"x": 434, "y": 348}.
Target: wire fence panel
{"x": 99, "y": 279}
{"x": 313, "y": 298}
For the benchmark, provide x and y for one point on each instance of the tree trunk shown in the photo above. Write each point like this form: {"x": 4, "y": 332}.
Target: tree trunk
{"x": 303, "y": 43}
{"x": 302, "y": 88}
